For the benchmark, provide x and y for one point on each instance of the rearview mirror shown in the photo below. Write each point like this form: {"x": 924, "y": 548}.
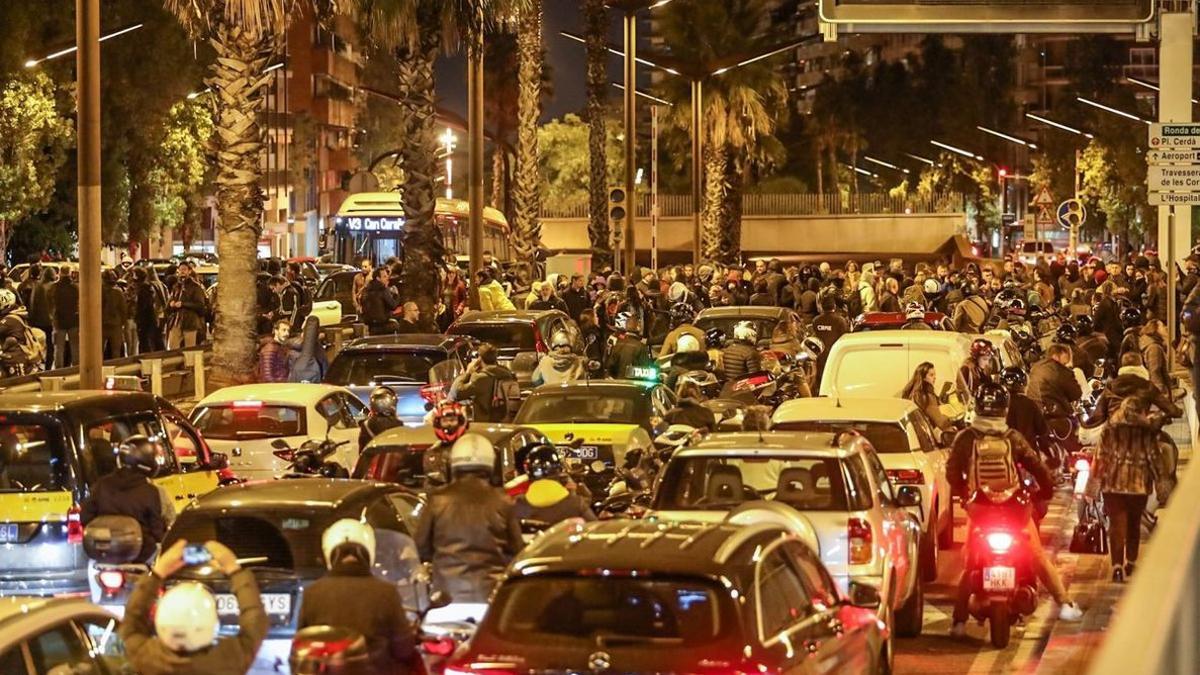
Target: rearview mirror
{"x": 218, "y": 461}
{"x": 944, "y": 397}
{"x": 863, "y": 595}
{"x": 908, "y": 496}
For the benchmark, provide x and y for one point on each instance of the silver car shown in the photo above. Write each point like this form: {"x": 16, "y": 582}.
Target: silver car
{"x": 864, "y": 530}
{"x": 58, "y": 635}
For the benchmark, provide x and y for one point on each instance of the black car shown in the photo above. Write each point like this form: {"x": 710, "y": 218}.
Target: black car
{"x": 644, "y": 597}
{"x": 521, "y": 336}
{"x": 279, "y": 525}
{"x": 398, "y": 455}
{"x": 403, "y": 362}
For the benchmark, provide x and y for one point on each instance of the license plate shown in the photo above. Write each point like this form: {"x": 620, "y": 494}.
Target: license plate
{"x": 999, "y": 578}
{"x": 587, "y": 452}
{"x": 274, "y": 603}
{"x": 9, "y": 533}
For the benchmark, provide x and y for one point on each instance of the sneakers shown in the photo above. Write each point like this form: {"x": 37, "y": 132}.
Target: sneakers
{"x": 1070, "y": 612}
{"x": 1129, "y": 569}
{"x": 958, "y": 630}
{"x": 1118, "y": 574}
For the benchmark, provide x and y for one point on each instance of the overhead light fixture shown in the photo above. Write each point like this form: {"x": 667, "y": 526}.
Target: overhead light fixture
{"x": 1149, "y": 85}
{"x": 1110, "y": 109}
{"x": 1007, "y": 137}
{"x": 957, "y": 150}
{"x": 889, "y": 165}
{"x": 919, "y": 158}
{"x": 1058, "y": 125}
{"x": 71, "y": 50}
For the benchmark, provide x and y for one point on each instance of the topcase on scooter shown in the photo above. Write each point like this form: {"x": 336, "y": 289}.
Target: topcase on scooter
{"x": 113, "y": 540}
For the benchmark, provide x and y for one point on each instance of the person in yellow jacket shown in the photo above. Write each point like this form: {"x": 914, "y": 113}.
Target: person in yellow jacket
{"x": 491, "y": 292}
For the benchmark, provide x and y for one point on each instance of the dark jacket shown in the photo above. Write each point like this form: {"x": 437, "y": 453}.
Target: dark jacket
{"x": 553, "y": 303}
{"x": 888, "y": 302}
{"x": 1132, "y": 382}
{"x": 373, "y": 426}
{"x": 550, "y": 502}
{"x": 374, "y": 610}
{"x": 128, "y": 492}
{"x": 229, "y": 655}
{"x": 828, "y": 327}
{"x": 274, "y": 361}
{"x": 1054, "y": 387}
{"x": 1095, "y": 347}
{"x": 190, "y": 315}
{"x": 1108, "y": 320}
{"x": 970, "y": 315}
{"x": 145, "y": 314}
{"x": 480, "y": 388}
{"x": 963, "y": 450}
{"x": 691, "y": 412}
{"x": 628, "y": 353}
{"x": 1025, "y": 417}
{"x": 40, "y": 305}
{"x": 469, "y": 532}
{"x": 739, "y": 359}
{"x": 1129, "y": 458}
{"x": 577, "y": 300}
{"x": 377, "y": 304}
{"x": 1154, "y": 355}
{"x": 66, "y": 303}
{"x": 309, "y": 363}
{"x": 115, "y": 309}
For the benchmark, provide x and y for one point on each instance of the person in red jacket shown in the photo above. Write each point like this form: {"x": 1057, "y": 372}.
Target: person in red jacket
{"x": 273, "y": 365}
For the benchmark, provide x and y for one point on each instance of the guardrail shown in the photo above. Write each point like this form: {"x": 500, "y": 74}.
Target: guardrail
{"x": 173, "y": 374}
{"x": 789, "y": 204}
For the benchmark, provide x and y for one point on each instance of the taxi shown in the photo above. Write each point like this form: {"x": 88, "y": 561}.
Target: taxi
{"x": 53, "y": 447}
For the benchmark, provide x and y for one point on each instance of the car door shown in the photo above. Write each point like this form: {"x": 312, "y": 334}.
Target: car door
{"x": 196, "y": 476}
{"x": 821, "y": 588}
{"x": 900, "y": 530}
{"x": 798, "y": 634}
{"x": 60, "y": 648}
{"x": 935, "y": 459}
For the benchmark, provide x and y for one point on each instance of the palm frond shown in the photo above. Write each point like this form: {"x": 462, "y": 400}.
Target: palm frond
{"x": 390, "y": 24}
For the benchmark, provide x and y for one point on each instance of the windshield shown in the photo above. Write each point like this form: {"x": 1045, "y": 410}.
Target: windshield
{"x": 286, "y": 540}
{"x": 887, "y": 438}
{"x": 234, "y": 421}
{"x": 31, "y": 455}
{"x": 608, "y": 611}
{"x": 584, "y": 407}
{"x": 361, "y": 368}
{"x": 518, "y": 336}
{"x": 706, "y": 483}
{"x": 764, "y": 327}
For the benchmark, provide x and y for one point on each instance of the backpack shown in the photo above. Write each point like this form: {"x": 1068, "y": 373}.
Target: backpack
{"x": 993, "y": 471}
{"x": 506, "y": 397}
{"x": 32, "y": 342}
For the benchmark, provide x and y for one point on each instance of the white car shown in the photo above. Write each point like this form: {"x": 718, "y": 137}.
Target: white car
{"x": 910, "y": 449}
{"x": 243, "y": 422}
{"x": 1010, "y": 354}
{"x": 836, "y": 481}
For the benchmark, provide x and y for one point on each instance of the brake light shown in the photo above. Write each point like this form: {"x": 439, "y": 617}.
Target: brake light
{"x": 999, "y": 542}
{"x": 859, "y": 533}
{"x": 111, "y": 581}
{"x": 438, "y": 647}
{"x": 1082, "y": 464}
{"x": 905, "y": 476}
{"x": 74, "y": 526}
{"x": 433, "y": 392}
{"x": 255, "y": 405}
{"x": 480, "y": 669}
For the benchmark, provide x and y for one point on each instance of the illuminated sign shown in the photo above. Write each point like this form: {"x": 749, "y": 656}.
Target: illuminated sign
{"x": 988, "y": 16}
{"x": 369, "y": 223}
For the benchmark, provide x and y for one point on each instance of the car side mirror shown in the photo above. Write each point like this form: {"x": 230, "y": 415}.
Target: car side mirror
{"x": 218, "y": 461}
{"x": 864, "y": 595}
{"x": 280, "y": 444}
{"x": 908, "y": 496}
{"x": 944, "y": 397}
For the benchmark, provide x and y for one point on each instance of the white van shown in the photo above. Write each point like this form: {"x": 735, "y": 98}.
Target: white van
{"x": 878, "y": 364}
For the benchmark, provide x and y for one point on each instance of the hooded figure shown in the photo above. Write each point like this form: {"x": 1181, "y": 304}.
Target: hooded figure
{"x": 309, "y": 364}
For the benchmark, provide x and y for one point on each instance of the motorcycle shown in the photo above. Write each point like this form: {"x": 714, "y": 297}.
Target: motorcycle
{"x": 112, "y": 544}
{"x": 999, "y": 567}
{"x": 311, "y": 458}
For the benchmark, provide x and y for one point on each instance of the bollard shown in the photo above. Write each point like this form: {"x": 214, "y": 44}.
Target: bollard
{"x": 153, "y": 368}
{"x": 194, "y": 359}
{"x": 53, "y": 383}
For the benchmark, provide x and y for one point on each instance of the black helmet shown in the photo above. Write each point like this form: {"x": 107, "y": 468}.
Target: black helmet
{"x": 1005, "y": 298}
{"x": 991, "y": 400}
{"x": 981, "y": 347}
{"x": 383, "y": 401}
{"x": 681, "y": 313}
{"x": 543, "y": 461}
{"x": 1084, "y": 325}
{"x": 138, "y": 452}
{"x": 1131, "y": 317}
{"x": 1014, "y": 379}
{"x": 1065, "y": 335}
{"x": 714, "y": 338}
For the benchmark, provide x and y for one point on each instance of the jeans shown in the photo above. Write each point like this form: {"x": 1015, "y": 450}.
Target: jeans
{"x": 150, "y": 339}
{"x": 1124, "y": 525}
{"x": 61, "y": 336}
{"x": 114, "y": 342}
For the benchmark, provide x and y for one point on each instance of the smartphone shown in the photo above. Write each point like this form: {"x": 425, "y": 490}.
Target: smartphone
{"x": 196, "y": 554}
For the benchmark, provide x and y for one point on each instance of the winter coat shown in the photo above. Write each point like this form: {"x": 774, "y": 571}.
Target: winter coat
{"x": 40, "y": 305}
{"x": 970, "y": 315}
{"x": 1054, "y": 387}
{"x": 115, "y": 310}
{"x": 468, "y": 530}
{"x": 492, "y": 296}
{"x": 739, "y": 359}
{"x": 273, "y": 360}
{"x": 480, "y": 388}
{"x": 557, "y": 369}
{"x": 230, "y": 655}
{"x": 929, "y": 404}
{"x": 1132, "y": 381}
{"x": 577, "y": 300}
{"x": 378, "y": 303}
{"x": 553, "y": 303}
{"x": 690, "y": 412}
{"x": 190, "y": 315}
{"x": 888, "y": 302}
{"x": 670, "y": 343}
{"x": 628, "y": 353}
{"x": 375, "y": 611}
{"x": 1108, "y": 320}
{"x": 550, "y": 502}
{"x": 128, "y": 492}
{"x": 66, "y": 304}
{"x": 1154, "y": 355}
{"x": 1129, "y": 459}
{"x": 374, "y": 425}
{"x": 1026, "y": 417}
{"x": 962, "y": 453}
{"x": 309, "y": 363}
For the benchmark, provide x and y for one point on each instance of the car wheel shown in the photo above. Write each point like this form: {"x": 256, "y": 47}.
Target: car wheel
{"x": 886, "y": 662}
{"x": 945, "y": 537}
{"x": 928, "y": 558}
{"x": 910, "y": 617}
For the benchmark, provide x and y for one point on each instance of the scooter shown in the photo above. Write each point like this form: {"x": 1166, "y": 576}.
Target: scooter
{"x": 112, "y": 544}
{"x": 311, "y": 458}
{"x": 999, "y": 567}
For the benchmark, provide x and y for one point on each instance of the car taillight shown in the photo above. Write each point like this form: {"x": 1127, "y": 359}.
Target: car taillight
{"x": 74, "y": 526}
{"x": 751, "y": 382}
{"x": 859, "y": 533}
{"x": 999, "y": 542}
{"x": 905, "y": 476}
{"x": 480, "y": 669}
{"x": 111, "y": 581}
{"x": 433, "y": 392}
{"x": 438, "y": 646}
{"x": 539, "y": 345}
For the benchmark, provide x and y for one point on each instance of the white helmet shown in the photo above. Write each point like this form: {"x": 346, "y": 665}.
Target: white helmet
{"x": 560, "y": 339}
{"x": 744, "y": 330}
{"x": 677, "y": 292}
{"x": 186, "y": 617}
{"x": 348, "y": 531}
{"x": 687, "y": 343}
{"x": 676, "y": 436}
{"x": 932, "y": 287}
{"x": 8, "y": 300}
{"x": 472, "y": 451}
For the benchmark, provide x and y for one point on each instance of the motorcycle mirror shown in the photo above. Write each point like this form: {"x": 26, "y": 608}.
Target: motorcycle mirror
{"x": 439, "y": 599}
{"x": 218, "y": 461}
{"x": 864, "y": 595}
{"x": 279, "y": 444}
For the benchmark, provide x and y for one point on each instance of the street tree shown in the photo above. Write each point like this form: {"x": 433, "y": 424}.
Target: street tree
{"x": 595, "y": 30}
{"x": 526, "y": 224}
{"x": 566, "y": 163}
{"x": 181, "y": 170}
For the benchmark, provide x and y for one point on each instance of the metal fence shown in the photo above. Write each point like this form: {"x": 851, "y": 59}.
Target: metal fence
{"x": 791, "y": 204}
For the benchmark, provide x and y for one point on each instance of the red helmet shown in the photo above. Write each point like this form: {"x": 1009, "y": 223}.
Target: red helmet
{"x": 981, "y": 348}
{"x": 449, "y": 421}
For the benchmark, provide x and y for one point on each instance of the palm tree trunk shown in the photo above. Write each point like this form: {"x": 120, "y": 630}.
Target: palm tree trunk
{"x": 714, "y": 200}
{"x": 424, "y": 251}
{"x": 730, "y": 247}
{"x": 595, "y": 17}
{"x": 238, "y": 85}
{"x": 527, "y": 228}
{"x": 820, "y": 157}
{"x": 498, "y": 195}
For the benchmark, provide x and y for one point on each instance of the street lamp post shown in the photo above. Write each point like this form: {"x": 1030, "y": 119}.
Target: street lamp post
{"x": 87, "y": 73}
{"x": 475, "y": 161}
{"x": 631, "y": 140}
{"x": 448, "y": 140}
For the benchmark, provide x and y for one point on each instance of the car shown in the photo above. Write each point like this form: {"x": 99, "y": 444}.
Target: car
{"x": 879, "y": 364}
{"x": 911, "y": 450}
{"x": 869, "y": 321}
{"x": 333, "y": 302}
{"x": 418, "y": 367}
{"x": 835, "y": 480}
{"x": 521, "y": 336}
{"x": 1030, "y": 251}
{"x": 1010, "y": 353}
{"x": 597, "y": 422}
{"x": 764, "y": 319}
{"x": 54, "y": 446}
{"x": 247, "y": 421}
{"x": 397, "y": 455}
{"x": 58, "y": 635}
{"x": 643, "y": 597}
{"x": 282, "y": 521}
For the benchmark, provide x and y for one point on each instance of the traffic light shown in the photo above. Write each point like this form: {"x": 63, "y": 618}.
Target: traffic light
{"x": 1003, "y": 173}
{"x": 617, "y": 214}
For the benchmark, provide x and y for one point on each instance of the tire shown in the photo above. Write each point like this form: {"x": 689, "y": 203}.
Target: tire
{"x": 1000, "y": 625}
{"x": 885, "y": 662}
{"x": 929, "y": 555}
{"x": 909, "y": 619}
{"x": 945, "y": 537}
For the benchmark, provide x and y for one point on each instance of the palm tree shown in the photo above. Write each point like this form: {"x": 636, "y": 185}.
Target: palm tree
{"x": 245, "y": 34}
{"x": 595, "y": 29}
{"x": 527, "y": 228}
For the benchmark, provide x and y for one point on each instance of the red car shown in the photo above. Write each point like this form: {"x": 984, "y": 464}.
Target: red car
{"x": 892, "y": 320}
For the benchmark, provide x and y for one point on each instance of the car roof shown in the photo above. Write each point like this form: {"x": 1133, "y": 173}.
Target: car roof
{"x": 921, "y": 337}
{"x": 599, "y": 386}
{"x": 277, "y": 392}
{"x": 494, "y": 432}
{"x": 504, "y": 315}
{"x": 308, "y": 493}
{"x": 803, "y": 443}
{"x": 653, "y": 546}
{"x": 40, "y": 401}
{"x": 846, "y": 410}
{"x": 401, "y": 341}
{"x": 746, "y": 311}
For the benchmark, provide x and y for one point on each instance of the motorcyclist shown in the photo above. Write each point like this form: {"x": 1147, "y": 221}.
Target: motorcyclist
{"x": 688, "y": 357}
{"x": 689, "y": 410}
{"x": 629, "y": 353}
{"x": 21, "y": 350}
{"x": 550, "y": 497}
{"x": 1090, "y": 342}
{"x": 983, "y": 467}
{"x": 376, "y": 613}
{"x": 1024, "y": 415}
{"x": 449, "y": 422}
{"x": 1052, "y": 382}
{"x": 181, "y": 636}
{"x": 468, "y": 530}
{"x": 1132, "y": 380}
{"x": 128, "y": 491}
{"x": 561, "y": 364}
{"x": 740, "y": 357}
{"x": 381, "y": 417}
{"x": 914, "y": 317}
{"x": 1131, "y": 322}
{"x": 981, "y": 366}
{"x": 1067, "y": 335}
{"x": 971, "y": 313}
{"x": 682, "y": 316}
